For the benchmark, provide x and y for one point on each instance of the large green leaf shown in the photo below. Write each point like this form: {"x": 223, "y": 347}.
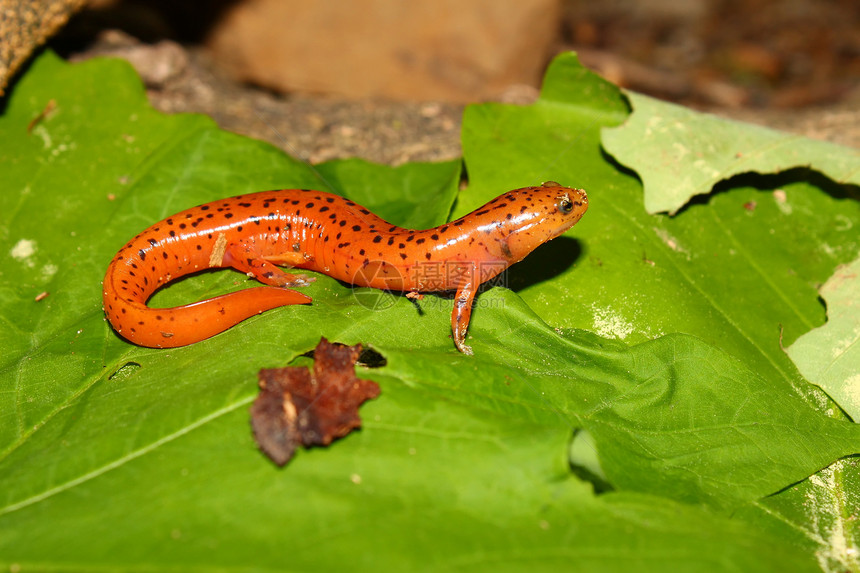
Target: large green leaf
{"x": 706, "y": 149}
{"x": 118, "y": 457}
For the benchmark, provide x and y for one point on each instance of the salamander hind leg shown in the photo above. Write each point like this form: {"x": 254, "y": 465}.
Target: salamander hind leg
{"x": 243, "y": 258}
{"x": 461, "y": 315}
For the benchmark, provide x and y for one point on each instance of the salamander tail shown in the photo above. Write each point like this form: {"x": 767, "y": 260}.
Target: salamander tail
{"x": 182, "y": 325}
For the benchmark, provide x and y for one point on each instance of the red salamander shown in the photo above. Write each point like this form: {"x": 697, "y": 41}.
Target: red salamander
{"x": 326, "y": 233}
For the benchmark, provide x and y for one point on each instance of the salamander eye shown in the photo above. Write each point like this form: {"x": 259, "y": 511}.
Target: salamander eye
{"x": 564, "y": 205}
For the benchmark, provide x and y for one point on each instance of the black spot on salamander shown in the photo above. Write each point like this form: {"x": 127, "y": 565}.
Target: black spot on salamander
{"x": 390, "y": 241}
{"x": 482, "y": 212}
{"x": 338, "y": 236}
{"x": 377, "y": 239}
{"x": 153, "y": 242}
{"x": 324, "y": 208}
{"x": 434, "y": 236}
{"x": 326, "y": 239}
{"x": 350, "y": 203}
{"x": 458, "y": 222}
{"x": 182, "y": 225}
{"x": 361, "y": 252}
{"x": 329, "y": 199}
{"x": 228, "y": 215}
{"x": 309, "y": 206}
{"x": 333, "y": 217}
{"x": 427, "y": 255}
{"x": 392, "y": 229}
{"x": 419, "y": 241}
{"x": 523, "y": 209}
{"x": 401, "y": 245}
{"x": 204, "y": 207}
{"x": 210, "y": 215}
{"x": 246, "y": 205}
{"x": 142, "y": 256}
{"x": 164, "y": 254}
{"x": 501, "y": 205}
{"x": 410, "y": 238}
{"x": 199, "y": 248}
{"x": 169, "y": 221}
{"x": 239, "y": 228}
{"x": 364, "y": 211}
{"x": 294, "y": 202}
{"x": 356, "y": 228}
{"x": 444, "y": 228}
{"x": 509, "y": 216}
{"x": 342, "y": 223}
{"x": 403, "y": 256}
{"x": 342, "y": 245}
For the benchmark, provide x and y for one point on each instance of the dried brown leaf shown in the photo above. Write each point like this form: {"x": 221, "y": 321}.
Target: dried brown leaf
{"x": 312, "y": 408}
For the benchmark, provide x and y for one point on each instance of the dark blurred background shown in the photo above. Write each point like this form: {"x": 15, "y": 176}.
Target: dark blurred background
{"x": 328, "y": 78}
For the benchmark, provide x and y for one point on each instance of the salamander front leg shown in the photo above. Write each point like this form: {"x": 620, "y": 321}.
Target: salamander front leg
{"x": 461, "y": 315}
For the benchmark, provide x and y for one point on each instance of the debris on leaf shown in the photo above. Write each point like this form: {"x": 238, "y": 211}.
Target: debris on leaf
{"x": 297, "y": 405}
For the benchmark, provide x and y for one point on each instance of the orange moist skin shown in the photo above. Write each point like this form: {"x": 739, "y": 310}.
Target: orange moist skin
{"x": 326, "y": 233}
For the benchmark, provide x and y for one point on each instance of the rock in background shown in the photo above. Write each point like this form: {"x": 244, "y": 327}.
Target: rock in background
{"x": 421, "y": 50}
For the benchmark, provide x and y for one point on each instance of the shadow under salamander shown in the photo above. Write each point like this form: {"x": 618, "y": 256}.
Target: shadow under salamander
{"x": 547, "y": 261}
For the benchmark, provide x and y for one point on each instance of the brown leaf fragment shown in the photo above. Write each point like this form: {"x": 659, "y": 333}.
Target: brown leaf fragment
{"x": 297, "y": 405}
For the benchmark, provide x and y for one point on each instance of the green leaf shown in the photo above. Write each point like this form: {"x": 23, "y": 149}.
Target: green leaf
{"x": 680, "y": 153}
{"x": 735, "y": 271}
{"x": 417, "y": 195}
{"x": 830, "y": 355}
{"x": 119, "y": 457}
{"x": 670, "y": 415}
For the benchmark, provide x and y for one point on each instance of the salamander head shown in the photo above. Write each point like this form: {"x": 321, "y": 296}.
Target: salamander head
{"x": 537, "y": 214}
